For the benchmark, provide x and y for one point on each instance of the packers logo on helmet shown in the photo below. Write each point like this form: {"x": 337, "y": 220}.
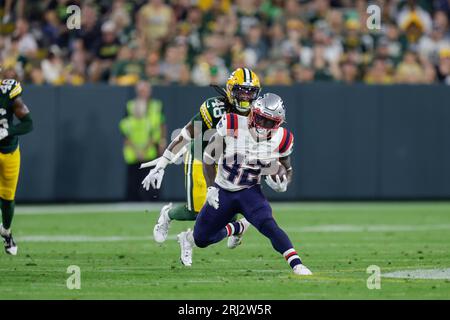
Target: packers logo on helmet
{"x": 243, "y": 87}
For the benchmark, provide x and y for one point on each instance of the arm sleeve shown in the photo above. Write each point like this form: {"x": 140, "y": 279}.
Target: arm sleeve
{"x": 288, "y": 152}
{"x": 287, "y": 143}
{"x": 25, "y": 126}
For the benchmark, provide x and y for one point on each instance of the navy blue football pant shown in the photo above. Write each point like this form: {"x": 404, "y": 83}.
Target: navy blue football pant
{"x": 210, "y": 223}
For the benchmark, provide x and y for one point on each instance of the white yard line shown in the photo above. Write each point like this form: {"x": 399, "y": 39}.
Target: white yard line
{"x": 366, "y": 228}
{"x": 434, "y": 274}
{"x": 156, "y": 206}
{"x": 82, "y": 238}
{"x": 88, "y": 208}
{"x": 306, "y": 229}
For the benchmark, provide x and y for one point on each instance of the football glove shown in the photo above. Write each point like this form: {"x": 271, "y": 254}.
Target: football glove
{"x": 212, "y": 196}
{"x": 3, "y": 133}
{"x": 278, "y": 185}
{"x": 154, "y": 178}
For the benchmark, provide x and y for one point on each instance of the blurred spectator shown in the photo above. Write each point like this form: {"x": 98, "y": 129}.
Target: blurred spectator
{"x": 303, "y": 73}
{"x": 379, "y": 72}
{"x": 173, "y": 68}
{"x": 186, "y": 41}
{"x": 413, "y": 16}
{"x": 155, "y": 20}
{"x": 410, "y": 70}
{"x": 255, "y": 46}
{"x": 209, "y": 69}
{"x": 278, "y": 74}
{"x": 430, "y": 45}
{"x": 27, "y": 44}
{"x": 144, "y": 132}
{"x": 53, "y": 67}
{"x": 443, "y": 68}
{"x": 128, "y": 69}
{"x": 105, "y": 52}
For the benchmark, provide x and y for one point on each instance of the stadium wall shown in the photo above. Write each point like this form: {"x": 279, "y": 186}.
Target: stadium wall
{"x": 352, "y": 142}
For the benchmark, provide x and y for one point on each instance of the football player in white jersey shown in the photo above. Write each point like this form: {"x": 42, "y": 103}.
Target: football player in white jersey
{"x": 243, "y": 148}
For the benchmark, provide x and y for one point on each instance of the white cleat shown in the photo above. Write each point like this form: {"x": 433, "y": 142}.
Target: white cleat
{"x": 302, "y": 270}
{"x": 161, "y": 229}
{"x": 12, "y": 250}
{"x": 10, "y": 245}
{"x": 186, "y": 245}
{"x": 234, "y": 241}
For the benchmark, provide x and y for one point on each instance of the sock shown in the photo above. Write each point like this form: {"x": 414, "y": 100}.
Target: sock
{"x": 292, "y": 257}
{"x": 7, "y": 213}
{"x": 234, "y": 228}
{"x": 181, "y": 213}
{"x": 190, "y": 237}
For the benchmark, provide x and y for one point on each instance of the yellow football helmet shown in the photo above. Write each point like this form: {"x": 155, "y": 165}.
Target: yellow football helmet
{"x": 243, "y": 87}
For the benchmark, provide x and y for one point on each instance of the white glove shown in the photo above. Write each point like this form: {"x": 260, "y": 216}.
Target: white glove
{"x": 3, "y": 133}
{"x": 278, "y": 186}
{"x": 154, "y": 178}
{"x": 212, "y": 197}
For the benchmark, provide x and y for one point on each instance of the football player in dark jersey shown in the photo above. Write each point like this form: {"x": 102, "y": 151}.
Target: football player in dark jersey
{"x": 11, "y": 105}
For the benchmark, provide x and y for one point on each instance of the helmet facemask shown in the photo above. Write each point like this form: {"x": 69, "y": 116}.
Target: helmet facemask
{"x": 242, "y": 97}
{"x": 263, "y": 123}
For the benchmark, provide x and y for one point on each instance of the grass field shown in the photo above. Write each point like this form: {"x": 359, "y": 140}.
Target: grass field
{"x": 118, "y": 259}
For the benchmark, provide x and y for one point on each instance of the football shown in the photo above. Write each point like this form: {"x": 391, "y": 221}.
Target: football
{"x": 280, "y": 171}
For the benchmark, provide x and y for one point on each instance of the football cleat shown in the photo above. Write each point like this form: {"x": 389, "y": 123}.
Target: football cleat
{"x": 10, "y": 245}
{"x": 186, "y": 246}
{"x": 302, "y": 270}
{"x": 235, "y": 240}
{"x": 161, "y": 229}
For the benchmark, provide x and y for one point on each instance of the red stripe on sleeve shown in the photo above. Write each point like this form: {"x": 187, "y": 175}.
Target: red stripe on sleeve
{"x": 228, "y": 122}
{"x": 291, "y": 138}
{"x": 236, "y": 125}
{"x": 283, "y": 140}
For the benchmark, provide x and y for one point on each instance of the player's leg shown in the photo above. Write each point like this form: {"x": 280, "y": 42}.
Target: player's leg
{"x": 9, "y": 176}
{"x": 259, "y": 213}
{"x": 184, "y": 212}
{"x": 211, "y": 226}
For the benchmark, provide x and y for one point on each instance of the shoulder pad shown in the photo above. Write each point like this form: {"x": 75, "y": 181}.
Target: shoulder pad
{"x": 11, "y": 87}
{"x": 212, "y": 110}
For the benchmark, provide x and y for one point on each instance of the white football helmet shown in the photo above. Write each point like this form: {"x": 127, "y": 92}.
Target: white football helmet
{"x": 267, "y": 113}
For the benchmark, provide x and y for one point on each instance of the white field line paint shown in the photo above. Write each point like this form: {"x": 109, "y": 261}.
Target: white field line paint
{"x": 310, "y": 229}
{"x": 89, "y": 208}
{"x": 156, "y": 206}
{"x": 433, "y": 274}
{"x": 367, "y": 228}
{"x": 83, "y": 238}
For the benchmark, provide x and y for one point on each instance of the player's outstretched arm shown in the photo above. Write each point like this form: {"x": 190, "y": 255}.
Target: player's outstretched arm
{"x": 211, "y": 157}
{"x": 22, "y": 113}
{"x": 175, "y": 147}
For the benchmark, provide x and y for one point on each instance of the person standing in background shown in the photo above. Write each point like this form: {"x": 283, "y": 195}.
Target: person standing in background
{"x": 144, "y": 131}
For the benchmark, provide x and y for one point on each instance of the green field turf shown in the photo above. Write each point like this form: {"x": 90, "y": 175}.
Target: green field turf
{"x": 337, "y": 241}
